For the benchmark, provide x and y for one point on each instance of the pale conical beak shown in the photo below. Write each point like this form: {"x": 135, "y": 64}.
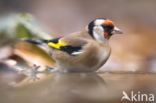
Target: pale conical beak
{"x": 117, "y": 31}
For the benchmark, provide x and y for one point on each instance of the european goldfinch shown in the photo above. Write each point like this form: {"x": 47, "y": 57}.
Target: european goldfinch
{"x": 84, "y": 51}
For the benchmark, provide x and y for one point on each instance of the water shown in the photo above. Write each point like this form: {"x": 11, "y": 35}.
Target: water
{"x": 80, "y": 88}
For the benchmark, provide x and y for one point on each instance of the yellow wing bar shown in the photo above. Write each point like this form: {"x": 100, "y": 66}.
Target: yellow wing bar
{"x": 57, "y": 45}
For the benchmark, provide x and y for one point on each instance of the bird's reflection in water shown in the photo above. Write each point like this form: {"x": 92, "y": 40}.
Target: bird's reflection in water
{"x": 61, "y": 88}
{"x": 78, "y": 87}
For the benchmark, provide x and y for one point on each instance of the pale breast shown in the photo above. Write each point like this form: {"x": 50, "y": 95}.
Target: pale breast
{"x": 103, "y": 55}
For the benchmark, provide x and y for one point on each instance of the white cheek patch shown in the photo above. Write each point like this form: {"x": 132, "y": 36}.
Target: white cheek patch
{"x": 98, "y": 33}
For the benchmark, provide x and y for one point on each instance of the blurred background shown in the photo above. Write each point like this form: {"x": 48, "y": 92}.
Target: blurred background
{"x": 133, "y": 51}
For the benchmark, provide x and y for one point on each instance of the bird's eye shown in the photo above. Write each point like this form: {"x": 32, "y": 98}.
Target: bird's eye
{"x": 108, "y": 28}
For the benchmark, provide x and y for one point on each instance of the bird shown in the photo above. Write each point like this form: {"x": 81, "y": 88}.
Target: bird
{"x": 83, "y": 51}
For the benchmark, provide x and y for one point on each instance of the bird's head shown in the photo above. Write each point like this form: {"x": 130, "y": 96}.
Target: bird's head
{"x": 102, "y": 29}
